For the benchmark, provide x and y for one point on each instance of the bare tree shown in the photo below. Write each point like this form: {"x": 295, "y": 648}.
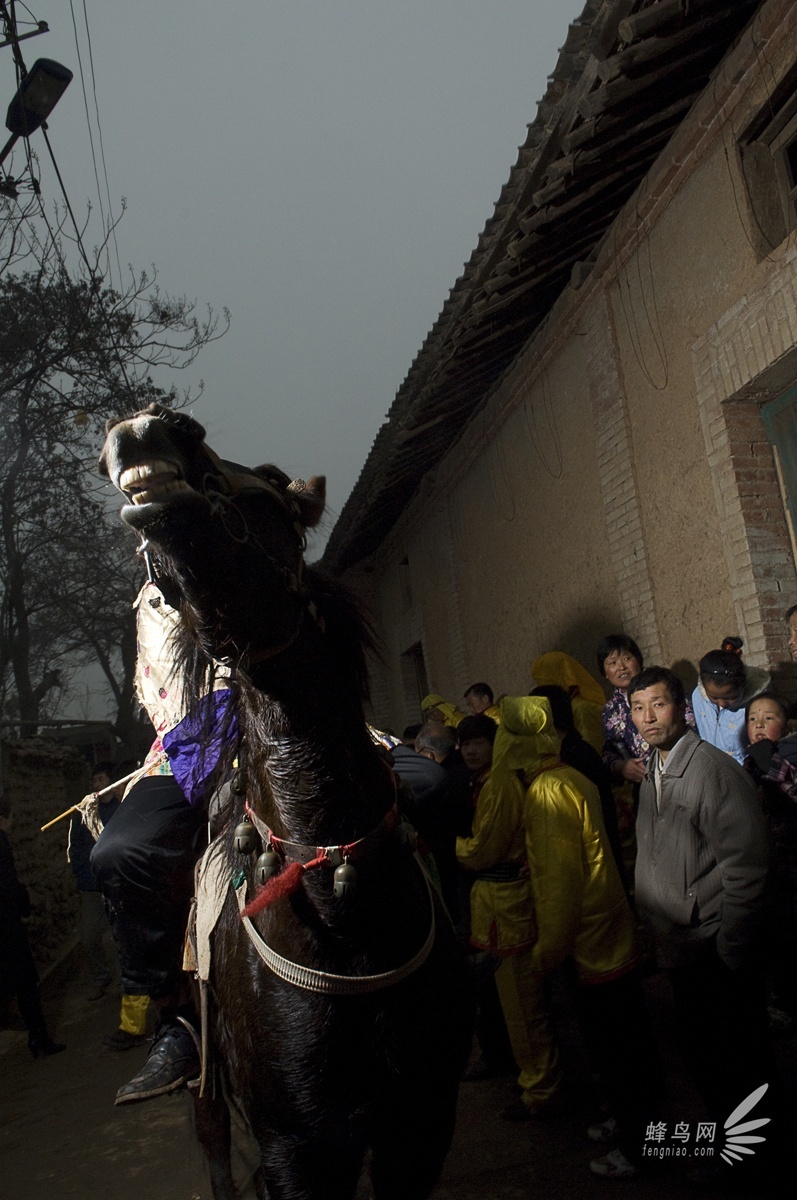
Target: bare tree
{"x": 72, "y": 352}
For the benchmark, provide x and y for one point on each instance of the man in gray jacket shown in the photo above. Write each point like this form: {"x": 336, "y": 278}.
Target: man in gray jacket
{"x": 701, "y": 876}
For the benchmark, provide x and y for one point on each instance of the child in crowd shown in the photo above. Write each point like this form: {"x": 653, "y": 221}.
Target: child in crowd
{"x": 723, "y": 689}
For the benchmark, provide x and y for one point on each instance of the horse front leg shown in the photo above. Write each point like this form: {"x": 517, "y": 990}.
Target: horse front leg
{"x": 298, "y": 1170}
{"x": 212, "y": 1125}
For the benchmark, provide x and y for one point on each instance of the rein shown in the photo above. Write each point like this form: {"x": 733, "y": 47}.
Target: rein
{"x": 315, "y": 856}
{"x": 236, "y": 483}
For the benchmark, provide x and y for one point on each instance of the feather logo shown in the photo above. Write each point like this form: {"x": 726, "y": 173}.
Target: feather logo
{"x": 739, "y": 1138}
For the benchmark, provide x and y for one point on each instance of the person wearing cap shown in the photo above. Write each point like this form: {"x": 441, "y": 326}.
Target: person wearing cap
{"x": 435, "y": 708}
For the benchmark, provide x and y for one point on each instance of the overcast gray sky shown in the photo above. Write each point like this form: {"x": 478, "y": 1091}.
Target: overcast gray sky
{"x": 322, "y": 168}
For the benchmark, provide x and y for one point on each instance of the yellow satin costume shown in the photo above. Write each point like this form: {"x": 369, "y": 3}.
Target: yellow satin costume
{"x": 580, "y": 907}
{"x": 501, "y": 913}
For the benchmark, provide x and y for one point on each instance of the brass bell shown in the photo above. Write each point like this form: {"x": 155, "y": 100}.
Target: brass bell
{"x": 344, "y": 880}
{"x": 267, "y": 865}
{"x": 245, "y": 837}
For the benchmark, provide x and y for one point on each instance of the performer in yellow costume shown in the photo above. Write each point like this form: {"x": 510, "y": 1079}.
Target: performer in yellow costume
{"x": 581, "y": 911}
{"x": 502, "y": 915}
{"x": 435, "y": 708}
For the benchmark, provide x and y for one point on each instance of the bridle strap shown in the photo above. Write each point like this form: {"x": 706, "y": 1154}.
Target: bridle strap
{"x": 243, "y": 481}
{"x": 331, "y": 856}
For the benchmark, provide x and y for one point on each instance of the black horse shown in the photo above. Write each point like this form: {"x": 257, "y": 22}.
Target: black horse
{"x": 348, "y": 1044}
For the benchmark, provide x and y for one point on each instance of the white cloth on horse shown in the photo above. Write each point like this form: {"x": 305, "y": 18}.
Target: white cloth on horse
{"x": 213, "y": 882}
{"x": 190, "y": 737}
{"x": 159, "y": 692}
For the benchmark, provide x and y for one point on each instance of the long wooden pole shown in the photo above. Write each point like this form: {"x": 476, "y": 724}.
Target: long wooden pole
{"x": 139, "y": 771}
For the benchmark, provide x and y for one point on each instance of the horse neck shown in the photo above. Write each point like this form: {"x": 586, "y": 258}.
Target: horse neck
{"x": 307, "y": 755}
{"x": 317, "y": 773}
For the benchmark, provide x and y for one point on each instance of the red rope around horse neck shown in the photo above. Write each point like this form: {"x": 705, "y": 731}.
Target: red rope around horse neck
{"x": 288, "y": 880}
{"x": 280, "y": 886}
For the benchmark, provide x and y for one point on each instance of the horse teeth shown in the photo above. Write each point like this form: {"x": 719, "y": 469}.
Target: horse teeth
{"x": 148, "y": 496}
{"x": 141, "y": 473}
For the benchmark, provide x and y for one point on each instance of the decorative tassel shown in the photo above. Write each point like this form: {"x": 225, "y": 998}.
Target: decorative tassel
{"x": 279, "y": 886}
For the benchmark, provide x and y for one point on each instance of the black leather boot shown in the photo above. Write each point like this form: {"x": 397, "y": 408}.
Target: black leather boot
{"x": 171, "y": 1063}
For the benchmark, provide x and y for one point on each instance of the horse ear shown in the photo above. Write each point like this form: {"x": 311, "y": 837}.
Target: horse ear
{"x": 311, "y": 500}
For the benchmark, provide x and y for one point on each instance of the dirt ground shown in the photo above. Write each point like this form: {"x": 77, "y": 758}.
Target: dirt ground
{"x": 62, "y": 1139}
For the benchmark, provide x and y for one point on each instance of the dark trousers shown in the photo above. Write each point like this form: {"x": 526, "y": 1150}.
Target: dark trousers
{"x": 19, "y": 978}
{"x": 722, "y": 1020}
{"x": 618, "y": 1031}
{"x": 144, "y": 863}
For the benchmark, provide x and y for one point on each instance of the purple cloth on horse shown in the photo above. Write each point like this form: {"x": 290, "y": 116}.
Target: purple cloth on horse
{"x": 196, "y": 744}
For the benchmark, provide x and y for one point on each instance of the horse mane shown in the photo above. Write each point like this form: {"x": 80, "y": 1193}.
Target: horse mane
{"x": 349, "y": 633}
{"x": 347, "y": 630}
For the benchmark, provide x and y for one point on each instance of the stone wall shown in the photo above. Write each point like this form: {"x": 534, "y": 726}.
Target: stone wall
{"x": 41, "y": 779}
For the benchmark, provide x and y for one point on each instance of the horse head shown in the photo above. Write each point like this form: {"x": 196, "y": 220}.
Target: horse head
{"x": 226, "y": 541}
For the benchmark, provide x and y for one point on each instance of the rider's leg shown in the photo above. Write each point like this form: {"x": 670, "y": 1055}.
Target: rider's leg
{"x": 144, "y": 863}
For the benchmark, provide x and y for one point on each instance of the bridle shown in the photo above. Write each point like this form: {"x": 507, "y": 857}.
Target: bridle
{"x": 290, "y": 861}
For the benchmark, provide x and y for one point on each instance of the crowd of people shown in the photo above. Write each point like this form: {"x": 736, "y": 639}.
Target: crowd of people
{"x": 574, "y": 839}
{"x": 588, "y": 841}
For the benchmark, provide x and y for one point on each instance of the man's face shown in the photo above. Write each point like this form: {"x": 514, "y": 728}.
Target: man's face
{"x": 100, "y": 780}
{"x": 477, "y": 753}
{"x": 477, "y": 703}
{"x": 434, "y": 714}
{"x": 657, "y": 717}
{"x": 793, "y": 636}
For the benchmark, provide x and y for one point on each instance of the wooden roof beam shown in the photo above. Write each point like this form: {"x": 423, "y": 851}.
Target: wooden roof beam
{"x": 588, "y": 165}
{"x": 664, "y": 15}
{"x": 610, "y": 130}
{"x": 546, "y": 216}
{"x": 640, "y": 55}
{"x": 610, "y": 96}
{"x": 559, "y": 258}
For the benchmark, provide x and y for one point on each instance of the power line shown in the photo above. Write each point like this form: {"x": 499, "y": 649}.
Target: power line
{"x": 88, "y": 118}
{"x": 102, "y": 146}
